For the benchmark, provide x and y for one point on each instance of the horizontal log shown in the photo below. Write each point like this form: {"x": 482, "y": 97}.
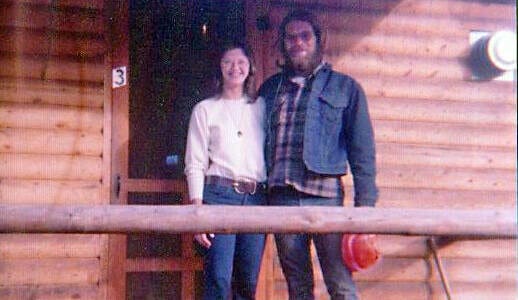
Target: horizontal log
{"x": 398, "y": 46}
{"x": 480, "y": 249}
{"x": 96, "y": 4}
{"x": 37, "y": 271}
{"x": 410, "y": 25}
{"x": 481, "y": 291}
{"x": 400, "y": 88}
{"x": 49, "y": 246}
{"x": 451, "y": 8}
{"x": 192, "y": 218}
{"x": 49, "y": 92}
{"x": 52, "y": 68}
{"x": 387, "y": 65}
{"x": 432, "y": 177}
{"x": 449, "y": 134}
{"x": 463, "y": 270}
{"x": 416, "y": 247}
{"x": 419, "y": 197}
{"x": 22, "y": 191}
{"x": 50, "y": 292}
{"x": 452, "y": 157}
{"x": 42, "y": 17}
{"x": 37, "y": 42}
{"x": 372, "y": 21}
{"x": 458, "y": 9}
{"x": 431, "y": 290}
{"x": 390, "y": 269}
{"x": 389, "y": 290}
{"x": 53, "y": 141}
{"x": 435, "y": 178}
{"x": 42, "y": 116}
{"x": 423, "y": 110}
{"x": 415, "y": 290}
{"x": 58, "y": 167}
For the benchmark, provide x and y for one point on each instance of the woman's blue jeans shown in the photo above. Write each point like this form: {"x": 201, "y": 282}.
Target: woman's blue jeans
{"x": 295, "y": 256}
{"x": 231, "y": 265}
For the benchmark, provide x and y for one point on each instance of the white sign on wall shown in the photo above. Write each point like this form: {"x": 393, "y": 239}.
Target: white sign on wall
{"x": 119, "y": 77}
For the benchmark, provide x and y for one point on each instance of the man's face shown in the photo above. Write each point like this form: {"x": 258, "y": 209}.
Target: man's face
{"x": 301, "y": 45}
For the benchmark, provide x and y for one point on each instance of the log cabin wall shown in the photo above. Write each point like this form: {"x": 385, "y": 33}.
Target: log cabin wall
{"x": 51, "y": 141}
{"x": 443, "y": 140}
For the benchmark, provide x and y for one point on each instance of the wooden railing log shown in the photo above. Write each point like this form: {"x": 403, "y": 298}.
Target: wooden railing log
{"x": 222, "y": 219}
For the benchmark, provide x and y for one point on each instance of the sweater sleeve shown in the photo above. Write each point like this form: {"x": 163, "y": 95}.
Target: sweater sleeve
{"x": 197, "y": 152}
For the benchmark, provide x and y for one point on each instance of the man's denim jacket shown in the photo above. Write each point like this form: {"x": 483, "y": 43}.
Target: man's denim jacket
{"x": 337, "y": 130}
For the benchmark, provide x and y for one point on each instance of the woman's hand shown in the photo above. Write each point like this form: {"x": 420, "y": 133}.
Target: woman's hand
{"x": 204, "y": 239}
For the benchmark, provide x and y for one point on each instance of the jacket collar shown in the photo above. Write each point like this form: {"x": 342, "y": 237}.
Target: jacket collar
{"x": 317, "y": 79}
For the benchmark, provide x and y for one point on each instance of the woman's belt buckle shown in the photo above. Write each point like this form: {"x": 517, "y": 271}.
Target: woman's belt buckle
{"x": 245, "y": 186}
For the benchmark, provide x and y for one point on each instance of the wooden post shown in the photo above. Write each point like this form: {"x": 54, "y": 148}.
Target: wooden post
{"x": 224, "y": 219}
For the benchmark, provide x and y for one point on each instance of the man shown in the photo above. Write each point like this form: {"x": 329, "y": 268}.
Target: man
{"x": 317, "y": 122}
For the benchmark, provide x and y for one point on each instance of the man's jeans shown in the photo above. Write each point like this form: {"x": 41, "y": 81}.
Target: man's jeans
{"x": 295, "y": 257}
{"x": 232, "y": 263}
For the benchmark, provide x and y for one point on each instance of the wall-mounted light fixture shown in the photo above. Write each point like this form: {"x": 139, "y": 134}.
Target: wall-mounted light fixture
{"x": 493, "y": 55}
{"x": 204, "y": 29}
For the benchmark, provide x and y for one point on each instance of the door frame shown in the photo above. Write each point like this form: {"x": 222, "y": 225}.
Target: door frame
{"x": 115, "y": 264}
{"x": 118, "y": 265}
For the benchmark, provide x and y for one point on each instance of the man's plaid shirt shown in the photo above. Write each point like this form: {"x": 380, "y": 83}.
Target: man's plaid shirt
{"x": 288, "y": 122}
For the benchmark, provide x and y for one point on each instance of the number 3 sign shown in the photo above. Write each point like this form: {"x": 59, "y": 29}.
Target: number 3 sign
{"x": 119, "y": 77}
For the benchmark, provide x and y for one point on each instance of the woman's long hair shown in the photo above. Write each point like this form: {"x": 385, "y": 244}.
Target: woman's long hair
{"x": 249, "y": 84}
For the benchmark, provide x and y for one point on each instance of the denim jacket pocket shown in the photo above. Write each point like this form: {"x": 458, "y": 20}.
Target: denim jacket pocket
{"x": 331, "y": 111}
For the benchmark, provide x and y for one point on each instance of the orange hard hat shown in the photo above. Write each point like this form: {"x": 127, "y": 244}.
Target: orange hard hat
{"x": 359, "y": 251}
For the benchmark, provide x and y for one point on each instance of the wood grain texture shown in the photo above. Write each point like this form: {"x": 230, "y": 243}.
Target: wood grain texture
{"x": 57, "y": 141}
{"x": 78, "y": 94}
{"x": 50, "y": 191}
{"x": 56, "y": 18}
{"x": 422, "y": 110}
{"x": 280, "y": 219}
{"x": 443, "y": 140}
{"x": 24, "y": 41}
{"x": 52, "y": 68}
{"x": 51, "y": 137}
{"x": 42, "y": 116}
{"x": 96, "y": 4}
{"x": 49, "y": 246}
{"x": 51, "y": 292}
{"x": 53, "y": 167}
{"x": 39, "y": 271}
{"x": 417, "y": 270}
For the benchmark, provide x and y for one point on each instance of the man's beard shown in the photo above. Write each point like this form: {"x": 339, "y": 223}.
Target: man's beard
{"x": 304, "y": 66}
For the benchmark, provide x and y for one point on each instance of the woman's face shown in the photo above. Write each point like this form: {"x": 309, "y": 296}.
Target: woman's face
{"x": 235, "y": 67}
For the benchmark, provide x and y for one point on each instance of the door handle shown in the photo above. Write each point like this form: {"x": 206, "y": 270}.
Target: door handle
{"x": 117, "y": 185}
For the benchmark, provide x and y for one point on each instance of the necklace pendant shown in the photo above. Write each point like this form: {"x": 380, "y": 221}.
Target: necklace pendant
{"x": 239, "y": 133}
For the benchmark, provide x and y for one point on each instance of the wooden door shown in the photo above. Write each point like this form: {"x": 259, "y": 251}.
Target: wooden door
{"x": 167, "y": 51}
{"x": 161, "y": 60}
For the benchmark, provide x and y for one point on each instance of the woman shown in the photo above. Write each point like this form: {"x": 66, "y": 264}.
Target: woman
{"x": 224, "y": 165}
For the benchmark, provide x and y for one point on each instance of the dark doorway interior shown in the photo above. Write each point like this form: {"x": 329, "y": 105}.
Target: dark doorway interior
{"x": 172, "y": 47}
